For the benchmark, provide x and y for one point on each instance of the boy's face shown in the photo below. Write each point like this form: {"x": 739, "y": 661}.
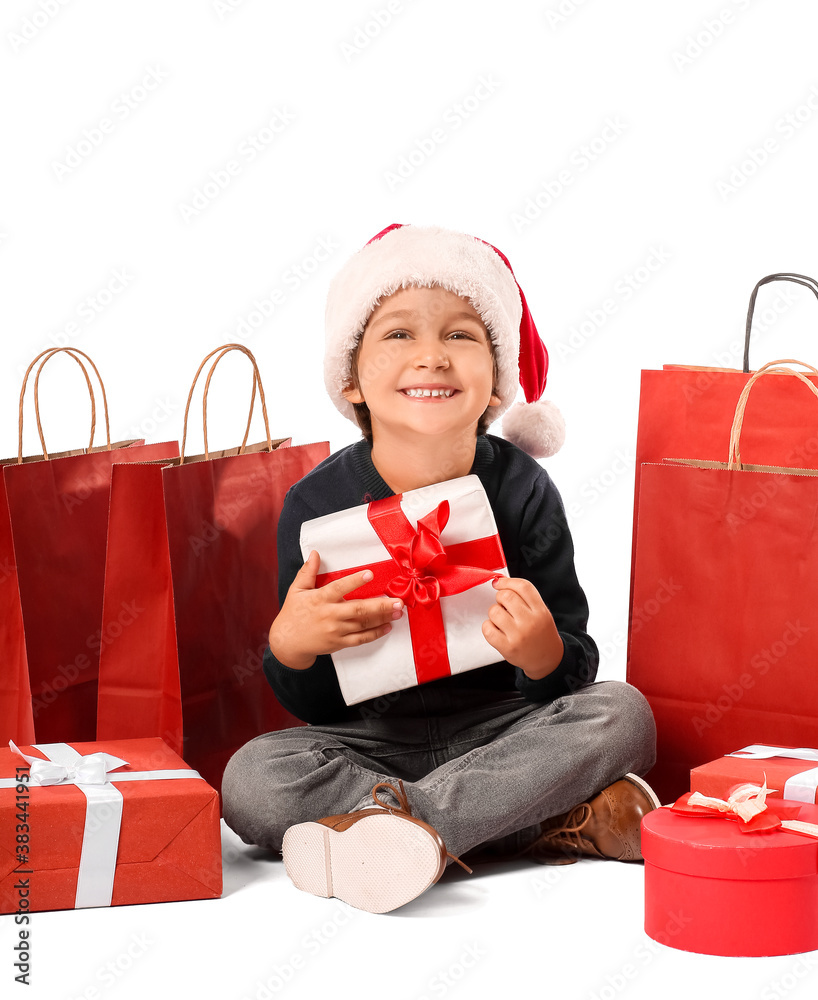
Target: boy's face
{"x": 420, "y": 340}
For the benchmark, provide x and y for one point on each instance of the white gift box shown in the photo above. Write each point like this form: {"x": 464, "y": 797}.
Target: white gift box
{"x": 436, "y": 548}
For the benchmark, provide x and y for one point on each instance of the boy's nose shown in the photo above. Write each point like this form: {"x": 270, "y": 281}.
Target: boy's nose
{"x": 432, "y": 357}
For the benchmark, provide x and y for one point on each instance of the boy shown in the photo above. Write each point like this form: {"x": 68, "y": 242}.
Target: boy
{"x": 428, "y": 334}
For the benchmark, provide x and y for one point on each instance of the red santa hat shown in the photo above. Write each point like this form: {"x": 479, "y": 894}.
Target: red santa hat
{"x": 402, "y": 256}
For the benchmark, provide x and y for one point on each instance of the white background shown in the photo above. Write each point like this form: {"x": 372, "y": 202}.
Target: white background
{"x": 704, "y": 183}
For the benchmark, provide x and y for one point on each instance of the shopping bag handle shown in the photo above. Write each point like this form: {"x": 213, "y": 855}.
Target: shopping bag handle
{"x": 799, "y": 279}
{"x": 771, "y": 368}
{"x": 221, "y": 351}
{"x": 46, "y": 355}
{"x": 256, "y": 381}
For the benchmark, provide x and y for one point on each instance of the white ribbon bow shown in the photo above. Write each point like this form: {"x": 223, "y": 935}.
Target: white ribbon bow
{"x": 746, "y": 801}
{"x": 92, "y": 769}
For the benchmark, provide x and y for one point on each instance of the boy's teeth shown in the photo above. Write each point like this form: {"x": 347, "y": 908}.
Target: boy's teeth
{"x": 428, "y": 392}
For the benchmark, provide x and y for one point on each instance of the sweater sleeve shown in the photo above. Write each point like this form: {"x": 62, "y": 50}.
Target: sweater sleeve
{"x": 312, "y": 695}
{"x": 545, "y": 556}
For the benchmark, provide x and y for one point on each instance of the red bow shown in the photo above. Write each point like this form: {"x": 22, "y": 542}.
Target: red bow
{"x": 425, "y": 572}
{"x": 417, "y": 582}
{"x": 748, "y": 806}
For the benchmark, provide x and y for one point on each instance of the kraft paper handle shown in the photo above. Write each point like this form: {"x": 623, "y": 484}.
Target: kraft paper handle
{"x": 771, "y": 368}
{"x": 221, "y": 351}
{"x": 46, "y": 355}
{"x": 799, "y": 279}
{"x": 256, "y": 382}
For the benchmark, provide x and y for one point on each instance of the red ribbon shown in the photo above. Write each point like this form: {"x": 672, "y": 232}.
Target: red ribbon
{"x": 421, "y": 571}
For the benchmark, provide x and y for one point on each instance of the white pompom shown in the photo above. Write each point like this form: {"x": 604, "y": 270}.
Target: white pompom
{"x": 538, "y": 428}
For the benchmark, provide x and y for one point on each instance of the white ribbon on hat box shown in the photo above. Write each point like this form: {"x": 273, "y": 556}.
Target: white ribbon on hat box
{"x": 802, "y": 787}
{"x": 346, "y": 539}
{"x": 103, "y": 813}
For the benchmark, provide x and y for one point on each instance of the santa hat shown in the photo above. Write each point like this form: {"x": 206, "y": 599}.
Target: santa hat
{"x": 402, "y": 256}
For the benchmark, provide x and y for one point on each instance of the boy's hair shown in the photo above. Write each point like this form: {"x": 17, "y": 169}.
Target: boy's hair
{"x": 362, "y": 415}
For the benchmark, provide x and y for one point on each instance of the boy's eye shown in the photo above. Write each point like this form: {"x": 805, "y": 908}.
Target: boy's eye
{"x": 403, "y": 334}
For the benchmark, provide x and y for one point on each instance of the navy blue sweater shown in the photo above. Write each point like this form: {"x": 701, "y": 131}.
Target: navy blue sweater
{"x": 538, "y": 547}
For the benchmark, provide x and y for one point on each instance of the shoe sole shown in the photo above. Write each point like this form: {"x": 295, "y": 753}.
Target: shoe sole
{"x": 634, "y": 779}
{"x": 377, "y": 864}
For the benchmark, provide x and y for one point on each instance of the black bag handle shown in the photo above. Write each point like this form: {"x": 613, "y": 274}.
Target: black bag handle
{"x": 799, "y": 279}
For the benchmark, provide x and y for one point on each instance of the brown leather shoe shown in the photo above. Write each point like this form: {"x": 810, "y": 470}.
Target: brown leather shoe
{"x": 609, "y": 826}
{"x": 375, "y": 859}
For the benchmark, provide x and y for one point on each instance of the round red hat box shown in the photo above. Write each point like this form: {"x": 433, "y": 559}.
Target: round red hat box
{"x": 710, "y": 888}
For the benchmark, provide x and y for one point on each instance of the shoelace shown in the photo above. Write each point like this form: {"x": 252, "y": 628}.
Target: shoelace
{"x": 568, "y": 833}
{"x": 575, "y": 821}
{"x": 404, "y": 807}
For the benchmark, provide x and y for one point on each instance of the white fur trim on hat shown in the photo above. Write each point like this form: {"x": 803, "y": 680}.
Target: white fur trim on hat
{"x": 423, "y": 256}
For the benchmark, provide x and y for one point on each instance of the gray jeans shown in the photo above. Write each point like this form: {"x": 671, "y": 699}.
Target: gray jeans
{"x": 486, "y": 766}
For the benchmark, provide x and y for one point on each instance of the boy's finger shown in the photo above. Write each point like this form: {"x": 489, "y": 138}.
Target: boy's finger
{"x": 359, "y": 616}
{"x": 525, "y": 589}
{"x": 338, "y": 589}
{"x": 511, "y": 600}
{"x": 361, "y": 638}
{"x": 305, "y": 577}
{"x": 500, "y": 618}
{"x": 493, "y": 635}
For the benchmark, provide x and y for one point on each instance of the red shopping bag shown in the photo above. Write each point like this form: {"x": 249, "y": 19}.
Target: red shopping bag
{"x": 190, "y": 593}
{"x": 686, "y": 411}
{"x": 16, "y": 719}
{"x": 724, "y": 625}
{"x": 53, "y": 525}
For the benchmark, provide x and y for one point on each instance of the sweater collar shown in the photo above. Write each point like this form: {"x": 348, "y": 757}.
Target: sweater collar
{"x": 376, "y": 489}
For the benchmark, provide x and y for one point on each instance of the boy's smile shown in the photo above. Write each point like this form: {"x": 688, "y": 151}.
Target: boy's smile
{"x": 424, "y": 364}
{"x": 429, "y": 392}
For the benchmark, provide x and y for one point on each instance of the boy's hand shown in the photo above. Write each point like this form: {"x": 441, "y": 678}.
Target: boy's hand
{"x": 315, "y": 620}
{"x": 521, "y": 628}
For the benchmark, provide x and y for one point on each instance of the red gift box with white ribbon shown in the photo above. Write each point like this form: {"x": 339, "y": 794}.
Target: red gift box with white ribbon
{"x": 790, "y": 772}
{"x": 437, "y": 549}
{"x": 732, "y": 876}
{"x": 104, "y": 824}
